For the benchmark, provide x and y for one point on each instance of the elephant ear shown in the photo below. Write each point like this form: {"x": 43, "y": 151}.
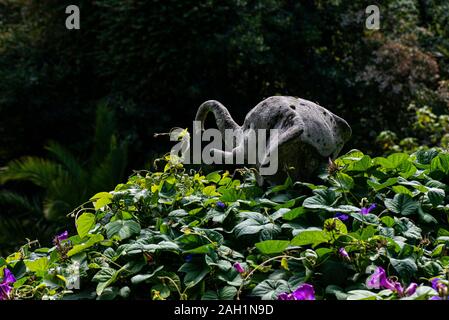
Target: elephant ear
{"x": 323, "y": 130}
{"x": 342, "y": 132}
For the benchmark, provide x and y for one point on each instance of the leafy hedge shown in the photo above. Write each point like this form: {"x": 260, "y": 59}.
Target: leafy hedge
{"x": 376, "y": 228}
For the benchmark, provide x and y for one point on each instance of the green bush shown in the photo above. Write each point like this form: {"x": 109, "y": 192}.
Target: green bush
{"x": 428, "y": 130}
{"x": 174, "y": 234}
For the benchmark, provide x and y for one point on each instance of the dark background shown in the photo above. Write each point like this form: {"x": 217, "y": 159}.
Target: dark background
{"x": 153, "y": 62}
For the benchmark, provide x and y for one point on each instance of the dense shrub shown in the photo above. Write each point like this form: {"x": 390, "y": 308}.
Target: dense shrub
{"x": 428, "y": 130}
{"x": 375, "y": 228}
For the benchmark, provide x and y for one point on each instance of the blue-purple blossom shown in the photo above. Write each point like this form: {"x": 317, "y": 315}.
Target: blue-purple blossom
{"x": 341, "y": 216}
{"x": 379, "y": 280}
{"x": 303, "y": 292}
{"x": 439, "y": 286}
{"x": 61, "y": 237}
{"x": 5, "y": 286}
{"x": 62, "y": 246}
{"x": 398, "y": 288}
{"x": 188, "y": 258}
{"x": 436, "y": 298}
{"x": 365, "y": 210}
{"x": 435, "y": 282}
{"x": 286, "y": 296}
{"x": 5, "y": 290}
{"x": 8, "y": 277}
{"x": 343, "y": 253}
{"x": 411, "y": 289}
{"x": 238, "y": 267}
{"x": 221, "y": 205}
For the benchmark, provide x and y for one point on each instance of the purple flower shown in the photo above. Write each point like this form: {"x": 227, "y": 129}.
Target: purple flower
{"x": 238, "y": 267}
{"x": 343, "y": 217}
{"x": 5, "y": 290}
{"x": 303, "y": 292}
{"x": 286, "y": 296}
{"x": 5, "y": 286}
{"x": 374, "y": 280}
{"x": 61, "y": 237}
{"x": 379, "y": 280}
{"x": 435, "y": 282}
{"x": 411, "y": 289}
{"x": 8, "y": 277}
{"x": 439, "y": 286}
{"x": 343, "y": 253}
{"x": 398, "y": 288}
{"x": 221, "y": 205}
{"x": 365, "y": 211}
{"x": 188, "y": 258}
{"x": 436, "y": 298}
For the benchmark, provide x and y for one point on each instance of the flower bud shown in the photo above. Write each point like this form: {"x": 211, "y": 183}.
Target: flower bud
{"x": 310, "y": 255}
{"x": 239, "y": 268}
{"x": 344, "y": 254}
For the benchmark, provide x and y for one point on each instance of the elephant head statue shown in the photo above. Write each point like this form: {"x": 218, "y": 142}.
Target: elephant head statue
{"x": 307, "y": 134}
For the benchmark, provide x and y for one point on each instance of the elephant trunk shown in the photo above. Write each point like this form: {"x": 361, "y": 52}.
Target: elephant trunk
{"x": 221, "y": 114}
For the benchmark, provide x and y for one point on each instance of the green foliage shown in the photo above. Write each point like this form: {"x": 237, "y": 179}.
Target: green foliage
{"x": 177, "y": 235}
{"x": 133, "y": 242}
{"x": 429, "y": 130}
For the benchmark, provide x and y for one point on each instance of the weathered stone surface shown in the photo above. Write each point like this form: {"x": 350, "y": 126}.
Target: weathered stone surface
{"x": 308, "y": 133}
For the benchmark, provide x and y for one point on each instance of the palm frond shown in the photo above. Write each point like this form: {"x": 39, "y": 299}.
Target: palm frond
{"x": 14, "y": 232}
{"x": 13, "y": 204}
{"x": 36, "y": 170}
{"x": 111, "y": 170}
{"x": 63, "y": 195}
{"x": 67, "y": 159}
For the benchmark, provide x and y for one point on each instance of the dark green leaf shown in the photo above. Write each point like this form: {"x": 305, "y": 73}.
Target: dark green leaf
{"x": 313, "y": 237}
{"x": 294, "y": 213}
{"x": 401, "y": 204}
{"x": 194, "y": 273}
{"x": 405, "y": 267}
{"x": 272, "y": 246}
{"x": 123, "y": 229}
{"x": 270, "y": 289}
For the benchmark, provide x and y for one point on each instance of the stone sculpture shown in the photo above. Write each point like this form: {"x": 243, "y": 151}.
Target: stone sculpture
{"x": 308, "y": 133}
